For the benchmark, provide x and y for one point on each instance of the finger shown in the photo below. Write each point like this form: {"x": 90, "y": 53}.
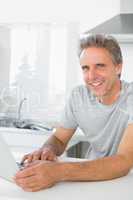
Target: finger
{"x": 37, "y": 187}
{"x": 26, "y": 172}
{"x": 27, "y": 158}
{"x": 44, "y": 155}
{"x": 48, "y": 156}
{"x": 24, "y": 158}
{"x": 36, "y": 156}
{"x": 30, "y": 158}
{"x": 52, "y": 157}
{"x": 28, "y": 182}
{"x": 33, "y": 189}
{"x": 32, "y": 163}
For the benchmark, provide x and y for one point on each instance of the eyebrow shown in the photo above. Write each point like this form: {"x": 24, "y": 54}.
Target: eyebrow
{"x": 100, "y": 64}
{"x": 97, "y": 64}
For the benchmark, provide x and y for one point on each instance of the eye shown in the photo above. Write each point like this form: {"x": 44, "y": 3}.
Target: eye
{"x": 85, "y": 68}
{"x": 100, "y": 65}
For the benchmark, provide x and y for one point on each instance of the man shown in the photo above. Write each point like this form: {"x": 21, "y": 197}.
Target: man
{"x": 103, "y": 109}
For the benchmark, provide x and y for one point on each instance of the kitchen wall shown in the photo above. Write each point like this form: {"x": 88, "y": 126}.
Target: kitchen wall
{"x": 4, "y": 56}
{"x": 85, "y": 12}
{"x": 127, "y": 52}
{"x": 88, "y": 13}
{"x": 126, "y": 6}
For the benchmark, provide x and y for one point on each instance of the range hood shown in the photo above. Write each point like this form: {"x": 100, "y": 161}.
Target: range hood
{"x": 121, "y": 25}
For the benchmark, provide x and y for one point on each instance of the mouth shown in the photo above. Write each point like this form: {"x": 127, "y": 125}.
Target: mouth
{"x": 96, "y": 84}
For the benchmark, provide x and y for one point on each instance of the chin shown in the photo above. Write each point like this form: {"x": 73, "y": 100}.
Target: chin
{"x": 99, "y": 93}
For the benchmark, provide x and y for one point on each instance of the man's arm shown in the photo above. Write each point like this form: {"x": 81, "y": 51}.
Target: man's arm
{"x": 59, "y": 140}
{"x": 52, "y": 148}
{"x": 44, "y": 174}
{"x": 104, "y": 168}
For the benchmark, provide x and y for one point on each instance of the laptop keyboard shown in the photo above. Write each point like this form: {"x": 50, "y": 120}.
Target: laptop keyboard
{"x": 21, "y": 166}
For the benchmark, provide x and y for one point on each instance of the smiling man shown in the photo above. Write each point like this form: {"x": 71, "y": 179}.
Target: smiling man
{"x": 103, "y": 109}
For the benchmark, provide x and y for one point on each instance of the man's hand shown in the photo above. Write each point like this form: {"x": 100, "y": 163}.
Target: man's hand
{"x": 44, "y": 153}
{"x": 53, "y": 147}
{"x": 38, "y": 175}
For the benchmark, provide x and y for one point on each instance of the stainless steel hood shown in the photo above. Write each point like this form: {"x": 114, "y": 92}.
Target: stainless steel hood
{"x": 119, "y": 24}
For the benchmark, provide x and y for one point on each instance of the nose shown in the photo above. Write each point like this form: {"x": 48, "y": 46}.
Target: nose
{"x": 91, "y": 75}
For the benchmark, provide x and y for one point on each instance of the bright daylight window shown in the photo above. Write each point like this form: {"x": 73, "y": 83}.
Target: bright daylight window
{"x": 38, "y": 67}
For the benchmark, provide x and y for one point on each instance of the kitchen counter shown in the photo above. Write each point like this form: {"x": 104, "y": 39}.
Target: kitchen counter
{"x": 33, "y": 139}
{"x": 117, "y": 189}
{"x": 23, "y": 141}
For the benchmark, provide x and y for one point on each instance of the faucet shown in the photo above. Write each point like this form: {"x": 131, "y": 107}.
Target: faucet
{"x": 20, "y": 108}
{"x": 29, "y": 124}
{"x": 18, "y": 123}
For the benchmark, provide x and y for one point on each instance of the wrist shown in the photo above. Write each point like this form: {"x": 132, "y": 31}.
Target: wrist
{"x": 64, "y": 171}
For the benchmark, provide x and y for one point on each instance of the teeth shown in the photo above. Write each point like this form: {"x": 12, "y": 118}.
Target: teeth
{"x": 96, "y": 84}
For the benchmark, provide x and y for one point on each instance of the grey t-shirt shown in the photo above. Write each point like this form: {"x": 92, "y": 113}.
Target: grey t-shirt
{"x": 103, "y": 125}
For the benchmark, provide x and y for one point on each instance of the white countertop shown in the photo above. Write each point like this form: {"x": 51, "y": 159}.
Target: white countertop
{"x": 117, "y": 189}
{"x": 16, "y": 137}
{"x": 23, "y": 141}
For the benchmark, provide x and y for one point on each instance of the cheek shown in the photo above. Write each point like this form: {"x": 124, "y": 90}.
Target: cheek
{"x": 84, "y": 75}
{"x": 112, "y": 75}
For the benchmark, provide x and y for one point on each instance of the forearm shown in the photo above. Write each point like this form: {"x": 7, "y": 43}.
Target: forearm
{"x": 102, "y": 169}
{"x": 55, "y": 144}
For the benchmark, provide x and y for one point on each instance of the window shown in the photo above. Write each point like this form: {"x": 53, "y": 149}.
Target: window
{"x": 43, "y": 59}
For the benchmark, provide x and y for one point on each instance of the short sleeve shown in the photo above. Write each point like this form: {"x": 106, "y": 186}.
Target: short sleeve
{"x": 68, "y": 119}
{"x": 130, "y": 109}
{"x": 130, "y": 121}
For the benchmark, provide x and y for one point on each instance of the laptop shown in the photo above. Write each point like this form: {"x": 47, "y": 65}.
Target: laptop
{"x": 8, "y": 165}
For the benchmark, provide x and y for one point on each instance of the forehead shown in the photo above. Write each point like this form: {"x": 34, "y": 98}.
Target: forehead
{"x": 95, "y": 54}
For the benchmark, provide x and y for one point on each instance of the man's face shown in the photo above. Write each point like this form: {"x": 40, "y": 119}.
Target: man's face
{"x": 99, "y": 72}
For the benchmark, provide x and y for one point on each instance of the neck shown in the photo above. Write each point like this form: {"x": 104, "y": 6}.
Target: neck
{"x": 112, "y": 95}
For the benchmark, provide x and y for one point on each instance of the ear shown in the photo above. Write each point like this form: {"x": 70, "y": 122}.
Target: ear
{"x": 118, "y": 68}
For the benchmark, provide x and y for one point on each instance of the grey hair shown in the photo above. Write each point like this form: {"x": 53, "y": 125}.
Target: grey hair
{"x": 101, "y": 41}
